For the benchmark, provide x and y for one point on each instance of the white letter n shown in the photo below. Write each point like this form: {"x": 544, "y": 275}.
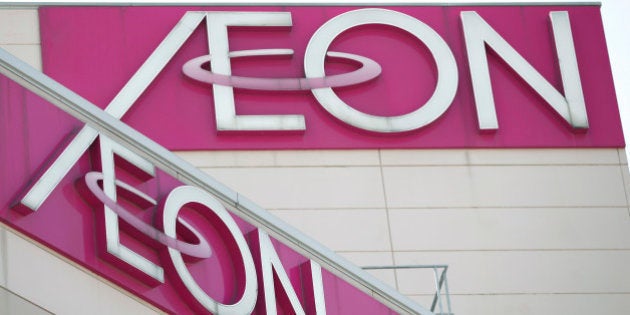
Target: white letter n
{"x": 477, "y": 33}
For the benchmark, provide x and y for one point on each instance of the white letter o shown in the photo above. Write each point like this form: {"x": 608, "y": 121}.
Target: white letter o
{"x": 441, "y": 99}
{"x": 174, "y": 202}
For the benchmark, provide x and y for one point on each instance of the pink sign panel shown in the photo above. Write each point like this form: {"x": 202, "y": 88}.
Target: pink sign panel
{"x": 395, "y": 77}
{"x": 171, "y": 245}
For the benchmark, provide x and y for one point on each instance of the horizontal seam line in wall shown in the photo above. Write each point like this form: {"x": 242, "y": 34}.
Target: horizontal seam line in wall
{"x": 489, "y": 250}
{"x": 404, "y": 165}
{"x": 327, "y": 209}
{"x": 516, "y": 250}
{"x": 510, "y": 207}
{"x": 426, "y": 208}
{"x": 503, "y": 164}
{"x": 523, "y": 293}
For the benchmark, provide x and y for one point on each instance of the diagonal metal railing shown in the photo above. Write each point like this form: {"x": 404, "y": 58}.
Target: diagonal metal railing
{"x": 80, "y": 108}
{"x": 441, "y": 297}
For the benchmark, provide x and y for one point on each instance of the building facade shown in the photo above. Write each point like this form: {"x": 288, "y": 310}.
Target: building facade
{"x": 524, "y": 229}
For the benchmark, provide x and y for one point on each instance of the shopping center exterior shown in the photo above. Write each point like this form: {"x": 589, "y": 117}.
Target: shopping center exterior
{"x": 311, "y": 159}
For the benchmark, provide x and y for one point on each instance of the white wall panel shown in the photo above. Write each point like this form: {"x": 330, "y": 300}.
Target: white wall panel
{"x": 625, "y": 173}
{"x": 428, "y": 186}
{"x": 48, "y": 281}
{"x": 522, "y": 272}
{"x": 3, "y": 257}
{"x": 281, "y": 158}
{"x": 29, "y": 53}
{"x": 539, "y": 304}
{"x": 504, "y": 186}
{"x": 19, "y": 35}
{"x": 623, "y": 159}
{"x": 510, "y": 229}
{"x": 306, "y": 187}
{"x": 60, "y": 287}
{"x": 500, "y": 157}
{"x": 425, "y": 157}
{"x": 13, "y": 304}
{"x": 19, "y": 26}
{"x": 370, "y": 231}
{"x": 113, "y": 301}
{"x": 543, "y": 157}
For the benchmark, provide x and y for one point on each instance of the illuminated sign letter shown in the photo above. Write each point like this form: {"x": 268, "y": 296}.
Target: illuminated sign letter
{"x": 181, "y": 196}
{"x": 269, "y": 261}
{"x": 110, "y": 218}
{"x": 445, "y": 61}
{"x": 478, "y": 33}
{"x": 220, "y": 63}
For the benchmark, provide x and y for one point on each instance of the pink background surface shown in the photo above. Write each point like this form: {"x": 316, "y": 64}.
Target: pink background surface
{"x": 95, "y": 51}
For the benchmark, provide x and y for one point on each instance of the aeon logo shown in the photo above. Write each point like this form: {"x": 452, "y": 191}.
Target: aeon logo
{"x": 477, "y": 35}
{"x": 316, "y": 80}
{"x": 167, "y": 233}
